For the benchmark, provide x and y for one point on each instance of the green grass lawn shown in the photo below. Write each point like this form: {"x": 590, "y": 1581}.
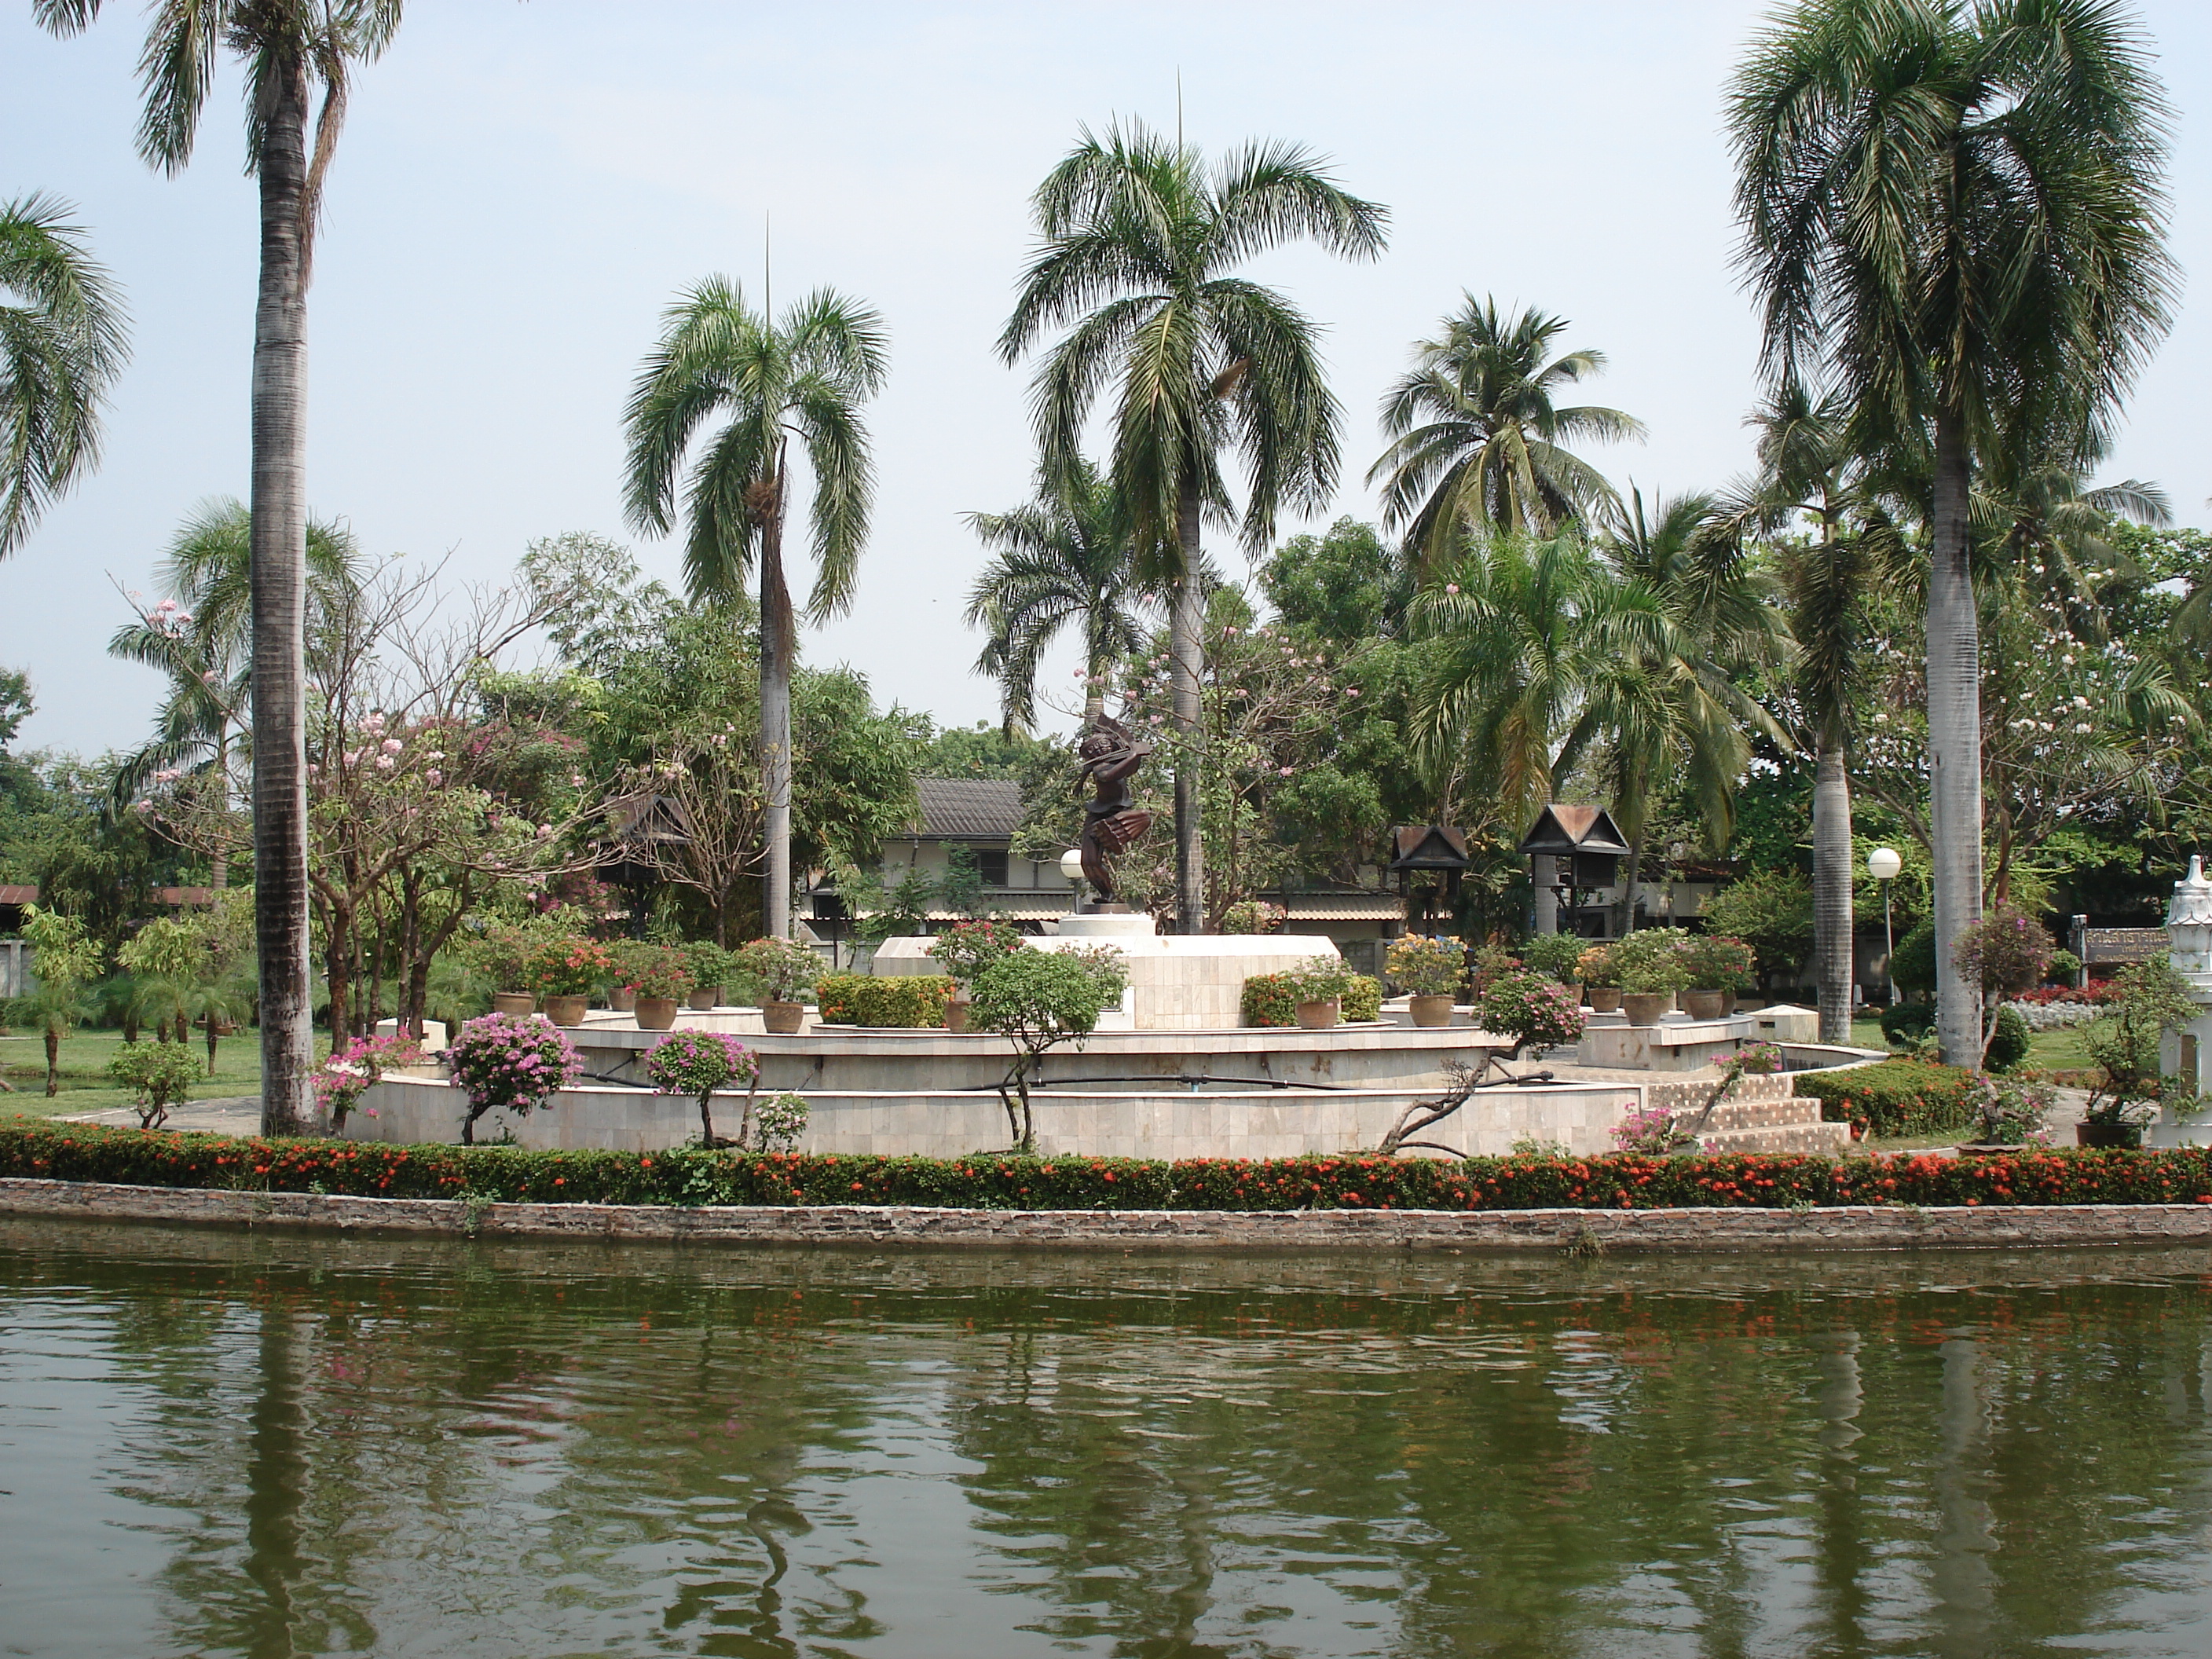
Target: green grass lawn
{"x": 85, "y": 1086}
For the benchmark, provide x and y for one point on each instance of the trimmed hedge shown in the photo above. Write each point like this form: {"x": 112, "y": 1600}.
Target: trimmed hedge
{"x": 1624, "y": 1181}
{"x": 1269, "y": 999}
{"x": 910, "y": 1001}
{"x": 1896, "y": 1097}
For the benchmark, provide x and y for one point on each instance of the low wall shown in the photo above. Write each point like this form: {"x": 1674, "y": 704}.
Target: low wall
{"x": 1853, "y": 1228}
{"x": 1226, "y": 1123}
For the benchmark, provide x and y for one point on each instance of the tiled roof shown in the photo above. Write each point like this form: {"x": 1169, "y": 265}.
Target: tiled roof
{"x": 11, "y": 894}
{"x": 1343, "y": 907}
{"x": 975, "y": 808}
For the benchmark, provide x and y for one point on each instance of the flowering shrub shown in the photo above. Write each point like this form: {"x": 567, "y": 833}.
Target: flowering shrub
{"x": 161, "y": 1073}
{"x": 710, "y": 966}
{"x": 1427, "y": 967}
{"x": 656, "y": 971}
{"x": 903, "y": 1001}
{"x": 1652, "y": 959}
{"x": 966, "y": 948}
{"x": 566, "y": 968}
{"x": 1254, "y": 917}
{"x": 1716, "y": 961}
{"x": 79, "y": 1151}
{"x": 1761, "y": 1058}
{"x": 696, "y": 1063}
{"x": 2008, "y": 949}
{"x": 781, "y": 1120}
{"x": 1650, "y": 1130}
{"x": 1599, "y": 965}
{"x": 2011, "y": 1113}
{"x": 1534, "y": 1011}
{"x": 1897, "y": 1097}
{"x": 780, "y": 969}
{"x": 516, "y": 1061}
{"x": 1555, "y": 956}
{"x": 1321, "y": 979}
{"x": 341, "y": 1080}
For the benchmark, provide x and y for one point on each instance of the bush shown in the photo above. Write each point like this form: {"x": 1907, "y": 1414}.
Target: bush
{"x": 2008, "y": 949}
{"x": 696, "y": 1063}
{"x": 517, "y": 1061}
{"x": 1322, "y": 979}
{"x": 568, "y": 967}
{"x": 903, "y": 1001}
{"x": 1716, "y": 962}
{"x": 1773, "y": 910}
{"x": 1254, "y": 917}
{"x": 966, "y": 948}
{"x": 1913, "y": 966}
{"x": 1893, "y": 1098}
{"x": 162, "y": 1074}
{"x": 78, "y": 1151}
{"x": 1905, "y": 1023}
{"x": 1427, "y": 967}
{"x": 1534, "y": 1011}
{"x": 1555, "y": 956}
{"x": 1651, "y": 959}
{"x": 1362, "y": 1002}
{"x": 2008, "y": 1042}
{"x": 1599, "y": 965}
{"x": 1273, "y": 1000}
{"x": 779, "y": 969}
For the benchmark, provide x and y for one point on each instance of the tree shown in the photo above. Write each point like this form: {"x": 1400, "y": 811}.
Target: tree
{"x": 1477, "y": 441}
{"x": 1066, "y": 558}
{"x": 60, "y": 349}
{"x": 288, "y": 52}
{"x": 1139, "y": 242}
{"x": 1954, "y": 216}
{"x": 65, "y": 960}
{"x": 804, "y": 376}
{"x": 1042, "y": 998}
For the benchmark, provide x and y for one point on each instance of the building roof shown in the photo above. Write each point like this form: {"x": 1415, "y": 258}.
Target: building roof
{"x": 11, "y": 894}
{"x": 970, "y": 809}
{"x": 1560, "y": 829}
{"x": 1343, "y": 907}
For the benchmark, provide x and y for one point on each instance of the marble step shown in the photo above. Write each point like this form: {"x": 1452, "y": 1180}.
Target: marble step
{"x": 1814, "y": 1137}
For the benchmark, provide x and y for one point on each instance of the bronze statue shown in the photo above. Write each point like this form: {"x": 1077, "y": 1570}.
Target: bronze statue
{"x": 1110, "y": 756}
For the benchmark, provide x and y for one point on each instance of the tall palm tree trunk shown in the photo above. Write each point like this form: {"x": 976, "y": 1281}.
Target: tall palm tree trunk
{"x": 279, "y": 584}
{"x": 1955, "y": 727}
{"x": 777, "y": 648}
{"x": 1832, "y": 934}
{"x": 1186, "y": 624}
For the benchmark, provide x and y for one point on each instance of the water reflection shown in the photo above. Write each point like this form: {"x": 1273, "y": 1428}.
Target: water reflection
{"x": 218, "y": 1444}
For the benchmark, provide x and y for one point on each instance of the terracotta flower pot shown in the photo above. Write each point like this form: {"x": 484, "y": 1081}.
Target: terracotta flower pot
{"x": 1707, "y": 1005}
{"x": 1647, "y": 1007}
{"x": 2108, "y": 1134}
{"x": 956, "y": 1014}
{"x": 566, "y": 1010}
{"x": 706, "y": 997}
{"x": 656, "y": 1013}
{"x": 1605, "y": 998}
{"x": 782, "y": 1018}
{"x": 1431, "y": 1010}
{"x": 1317, "y": 1016}
{"x": 514, "y": 1002}
{"x": 622, "y": 1002}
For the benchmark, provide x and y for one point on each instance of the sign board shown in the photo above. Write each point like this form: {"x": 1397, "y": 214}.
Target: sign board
{"x": 2121, "y": 944}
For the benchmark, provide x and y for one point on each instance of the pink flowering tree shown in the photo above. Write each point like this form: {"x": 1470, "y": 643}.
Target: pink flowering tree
{"x": 700, "y": 1063}
{"x": 346, "y": 1076}
{"x": 515, "y": 1063}
{"x": 2007, "y": 951}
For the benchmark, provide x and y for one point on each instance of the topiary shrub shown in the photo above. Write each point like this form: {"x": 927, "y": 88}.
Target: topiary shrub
{"x": 901, "y": 1001}
{"x": 1912, "y": 965}
{"x": 1269, "y": 999}
{"x": 1904, "y": 1024}
{"x": 1895, "y": 1097}
{"x": 2008, "y": 1043}
{"x": 1361, "y": 1003}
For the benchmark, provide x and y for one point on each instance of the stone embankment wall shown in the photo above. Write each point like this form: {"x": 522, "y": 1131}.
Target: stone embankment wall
{"x": 1855, "y": 1228}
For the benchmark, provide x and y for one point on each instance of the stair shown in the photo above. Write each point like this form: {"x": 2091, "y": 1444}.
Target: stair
{"x": 1787, "y": 1125}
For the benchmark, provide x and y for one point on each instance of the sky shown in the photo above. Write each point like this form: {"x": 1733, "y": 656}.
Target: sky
{"x": 521, "y": 189}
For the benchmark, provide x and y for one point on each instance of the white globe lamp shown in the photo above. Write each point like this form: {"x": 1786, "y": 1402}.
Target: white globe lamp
{"x": 1883, "y": 864}
{"x": 1070, "y": 864}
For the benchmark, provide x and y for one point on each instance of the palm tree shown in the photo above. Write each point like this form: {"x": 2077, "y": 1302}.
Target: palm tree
{"x": 1065, "y": 558}
{"x": 1477, "y": 441}
{"x": 289, "y": 53}
{"x": 201, "y": 635}
{"x": 1954, "y": 216}
{"x": 804, "y": 376}
{"x": 1140, "y": 242}
{"x": 60, "y": 349}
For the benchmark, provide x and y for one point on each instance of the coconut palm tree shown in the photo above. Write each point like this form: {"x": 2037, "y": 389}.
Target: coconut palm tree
{"x": 1140, "y": 242}
{"x": 1477, "y": 440}
{"x": 201, "y": 635}
{"x": 60, "y": 349}
{"x": 291, "y": 54}
{"x": 1954, "y": 214}
{"x": 1064, "y": 560}
{"x": 804, "y": 375}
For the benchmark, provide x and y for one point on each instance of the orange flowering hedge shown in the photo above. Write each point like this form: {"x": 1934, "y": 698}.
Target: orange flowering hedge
{"x": 158, "y": 1158}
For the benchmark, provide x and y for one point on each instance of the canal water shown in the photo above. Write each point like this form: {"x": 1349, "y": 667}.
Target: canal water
{"x": 214, "y": 1444}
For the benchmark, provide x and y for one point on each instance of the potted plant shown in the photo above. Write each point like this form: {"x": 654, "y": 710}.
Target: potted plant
{"x": 1717, "y": 966}
{"x": 629, "y": 954}
{"x": 1557, "y": 957}
{"x": 561, "y": 973}
{"x": 662, "y": 977}
{"x": 1536, "y": 1012}
{"x": 710, "y": 964}
{"x": 697, "y": 1063}
{"x": 782, "y": 970}
{"x": 964, "y": 949}
{"x": 1600, "y": 974}
{"x": 511, "y": 1062}
{"x": 1429, "y": 970}
{"x": 1652, "y": 971}
{"x": 1319, "y": 984}
{"x": 505, "y": 951}
{"x": 2124, "y": 1040}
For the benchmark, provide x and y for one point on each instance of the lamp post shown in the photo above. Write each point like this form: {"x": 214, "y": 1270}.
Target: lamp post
{"x": 1883, "y": 864}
